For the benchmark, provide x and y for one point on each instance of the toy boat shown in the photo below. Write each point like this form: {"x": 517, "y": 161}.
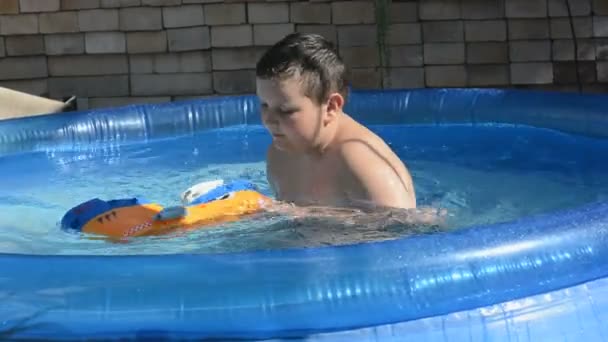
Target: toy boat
{"x": 206, "y": 204}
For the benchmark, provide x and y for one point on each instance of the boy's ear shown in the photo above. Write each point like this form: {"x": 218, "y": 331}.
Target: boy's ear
{"x": 335, "y": 103}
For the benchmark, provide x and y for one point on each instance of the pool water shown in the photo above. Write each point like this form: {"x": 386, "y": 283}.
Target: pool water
{"x": 482, "y": 174}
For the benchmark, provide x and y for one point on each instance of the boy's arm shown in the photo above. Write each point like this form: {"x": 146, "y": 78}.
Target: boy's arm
{"x": 371, "y": 215}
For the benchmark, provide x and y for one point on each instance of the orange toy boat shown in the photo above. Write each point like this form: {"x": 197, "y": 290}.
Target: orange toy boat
{"x": 123, "y": 218}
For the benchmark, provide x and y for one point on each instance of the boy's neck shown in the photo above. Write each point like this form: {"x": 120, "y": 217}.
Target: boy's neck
{"x": 328, "y": 138}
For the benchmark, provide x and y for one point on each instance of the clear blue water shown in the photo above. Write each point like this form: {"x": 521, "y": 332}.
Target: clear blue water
{"x": 481, "y": 174}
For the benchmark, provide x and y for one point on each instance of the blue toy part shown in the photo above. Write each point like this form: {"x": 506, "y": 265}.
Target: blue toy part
{"x": 77, "y": 217}
{"x": 223, "y": 191}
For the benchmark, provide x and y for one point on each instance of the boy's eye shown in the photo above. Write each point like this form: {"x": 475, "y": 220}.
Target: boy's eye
{"x": 286, "y": 112}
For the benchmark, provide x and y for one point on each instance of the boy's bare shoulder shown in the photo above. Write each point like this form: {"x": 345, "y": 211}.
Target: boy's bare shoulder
{"x": 373, "y": 164}
{"x": 358, "y": 142}
{"x": 368, "y": 150}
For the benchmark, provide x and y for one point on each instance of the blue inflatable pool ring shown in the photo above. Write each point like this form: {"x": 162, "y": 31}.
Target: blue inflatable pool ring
{"x": 540, "y": 278}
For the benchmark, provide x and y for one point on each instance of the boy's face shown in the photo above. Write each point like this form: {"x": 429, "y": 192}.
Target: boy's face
{"x": 293, "y": 119}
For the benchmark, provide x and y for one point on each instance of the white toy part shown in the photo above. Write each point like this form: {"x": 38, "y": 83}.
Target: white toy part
{"x": 199, "y": 189}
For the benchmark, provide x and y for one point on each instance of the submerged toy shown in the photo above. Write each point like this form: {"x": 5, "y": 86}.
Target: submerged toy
{"x": 204, "y": 204}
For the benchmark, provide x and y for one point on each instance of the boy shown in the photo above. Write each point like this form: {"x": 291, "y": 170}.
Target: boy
{"x": 319, "y": 155}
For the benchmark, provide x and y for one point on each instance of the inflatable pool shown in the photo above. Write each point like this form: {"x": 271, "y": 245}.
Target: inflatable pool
{"x": 542, "y": 277}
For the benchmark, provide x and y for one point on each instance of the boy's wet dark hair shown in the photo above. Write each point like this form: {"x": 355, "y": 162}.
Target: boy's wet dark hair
{"x": 310, "y": 57}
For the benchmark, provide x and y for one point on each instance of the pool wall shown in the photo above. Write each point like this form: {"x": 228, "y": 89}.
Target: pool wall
{"x": 568, "y": 112}
{"x": 538, "y": 278}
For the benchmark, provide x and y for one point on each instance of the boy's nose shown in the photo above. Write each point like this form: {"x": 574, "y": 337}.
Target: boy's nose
{"x": 272, "y": 127}
{"x": 270, "y": 119}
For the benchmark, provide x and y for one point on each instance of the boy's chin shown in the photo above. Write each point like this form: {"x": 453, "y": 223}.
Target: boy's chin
{"x": 281, "y": 144}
